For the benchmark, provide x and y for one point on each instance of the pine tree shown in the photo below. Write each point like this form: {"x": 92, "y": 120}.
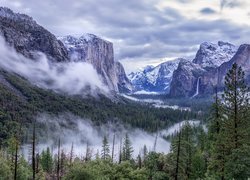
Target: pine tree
{"x": 230, "y": 131}
{"x": 47, "y": 160}
{"x": 105, "y": 149}
{"x": 188, "y": 147}
{"x": 181, "y": 153}
{"x": 88, "y": 153}
{"x": 236, "y": 123}
{"x": 235, "y": 108}
{"x": 216, "y": 167}
{"x": 127, "y": 149}
{"x": 58, "y": 159}
{"x": 34, "y": 152}
{"x": 113, "y": 148}
{"x": 71, "y": 154}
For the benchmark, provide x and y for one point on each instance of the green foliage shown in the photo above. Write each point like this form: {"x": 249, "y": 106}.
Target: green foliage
{"x": 229, "y": 132}
{"x": 221, "y": 153}
{"x": 5, "y": 170}
{"x": 25, "y": 100}
{"x": 155, "y": 164}
{"x": 79, "y": 172}
{"x": 24, "y": 170}
{"x": 46, "y": 160}
{"x": 127, "y": 149}
{"x": 105, "y": 149}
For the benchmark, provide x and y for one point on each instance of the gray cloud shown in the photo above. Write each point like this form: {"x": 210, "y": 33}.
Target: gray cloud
{"x": 137, "y": 28}
{"x": 207, "y": 11}
{"x": 230, "y": 4}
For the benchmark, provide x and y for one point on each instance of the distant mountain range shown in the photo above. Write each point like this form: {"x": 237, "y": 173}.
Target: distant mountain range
{"x": 178, "y": 78}
{"x": 154, "y": 79}
{"x": 186, "y": 78}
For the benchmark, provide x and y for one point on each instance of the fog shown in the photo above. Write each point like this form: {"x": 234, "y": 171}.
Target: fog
{"x": 71, "y": 77}
{"x": 72, "y": 129}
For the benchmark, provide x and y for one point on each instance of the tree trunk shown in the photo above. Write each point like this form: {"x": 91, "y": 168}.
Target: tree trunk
{"x": 113, "y": 148}
{"x": 33, "y": 152}
{"x": 178, "y": 156}
{"x": 58, "y": 160}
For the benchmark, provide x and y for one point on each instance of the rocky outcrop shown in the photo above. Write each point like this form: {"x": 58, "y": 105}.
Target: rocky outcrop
{"x": 212, "y": 55}
{"x": 27, "y": 37}
{"x": 154, "y": 79}
{"x": 98, "y": 52}
{"x": 185, "y": 79}
{"x": 210, "y": 75}
{"x": 123, "y": 83}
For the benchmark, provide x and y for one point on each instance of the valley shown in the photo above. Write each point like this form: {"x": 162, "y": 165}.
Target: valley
{"x": 70, "y": 110}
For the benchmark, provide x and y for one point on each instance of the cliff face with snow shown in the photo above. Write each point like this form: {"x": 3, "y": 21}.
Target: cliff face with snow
{"x": 27, "y": 37}
{"x": 206, "y": 71}
{"x": 154, "y": 79}
{"x": 98, "y": 52}
{"x": 212, "y": 55}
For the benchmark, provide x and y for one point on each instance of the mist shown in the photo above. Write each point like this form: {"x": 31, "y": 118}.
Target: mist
{"x": 80, "y": 132}
{"x": 67, "y": 77}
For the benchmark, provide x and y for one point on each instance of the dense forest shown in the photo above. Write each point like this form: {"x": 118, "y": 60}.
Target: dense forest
{"x": 220, "y": 150}
{"x": 24, "y": 101}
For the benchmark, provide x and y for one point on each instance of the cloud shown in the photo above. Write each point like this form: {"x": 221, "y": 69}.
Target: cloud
{"x": 72, "y": 78}
{"x": 230, "y": 3}
{"x": 207, "y": 11}
{"x": 144, "y": 29}
{"x": 72, "y": 129}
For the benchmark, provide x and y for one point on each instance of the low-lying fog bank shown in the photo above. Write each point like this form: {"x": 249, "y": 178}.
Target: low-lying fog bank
{"x": 157, "y": 103}
{"x": 71, "y": 129}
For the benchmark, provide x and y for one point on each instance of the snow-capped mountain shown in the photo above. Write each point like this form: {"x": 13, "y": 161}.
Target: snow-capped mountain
{"x": 204, "y": 72}
{"x": 154, "y": 79}
{"x": 213, "y": 55}
{"x": 98, "y": 52}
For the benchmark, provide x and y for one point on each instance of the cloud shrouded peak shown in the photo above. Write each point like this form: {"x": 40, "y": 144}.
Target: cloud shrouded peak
{"x": 144, "y": 30}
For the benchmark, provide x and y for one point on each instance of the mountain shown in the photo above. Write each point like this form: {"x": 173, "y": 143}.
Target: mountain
{"x": 207, "y": 70}
{"x": 98, "y": 52}
{"x": 213, "y": 55}
{"x": 27, "y": 37}
{"x": 154, "y": 79}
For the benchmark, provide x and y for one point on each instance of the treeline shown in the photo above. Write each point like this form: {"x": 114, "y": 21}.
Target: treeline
{"x": 20, "y": 101}
{"x": 103, "y": 164}
{"x": 219, "y": 151}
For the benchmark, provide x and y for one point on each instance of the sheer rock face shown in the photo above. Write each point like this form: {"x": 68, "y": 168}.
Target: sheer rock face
{"x": 124, "y": 84}
{"x": 185, "y": 79}
{"x": 186, "y": 76}
{"x": 98, "y": 52}
{"x": 27, "y": 37}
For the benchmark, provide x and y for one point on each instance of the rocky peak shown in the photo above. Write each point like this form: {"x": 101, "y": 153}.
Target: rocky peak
{"x": 185, "y": 79}
{"x": 9, "y": 14}
{"x": 154, "y": 79}
{"x": 213, "y": 55}
{"x": 27, "y": 37}
{"x": 98, "y": 52}
{"x": 124, "y": 84}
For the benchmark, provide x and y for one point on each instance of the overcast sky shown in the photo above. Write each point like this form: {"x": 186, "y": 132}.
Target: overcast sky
{"x": 144, "y": 31}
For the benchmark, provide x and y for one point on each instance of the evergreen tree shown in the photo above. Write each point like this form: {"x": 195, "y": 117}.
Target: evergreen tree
{"x": 236, "y": 123}
{"x": 236, "y": 108}
{"x": 181, "y": 153}
{"x": 127, "y": 149}
{"x": 105, "y": 149}
{"x": 229, "y": 132}
{"x": 47, "y": 160}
